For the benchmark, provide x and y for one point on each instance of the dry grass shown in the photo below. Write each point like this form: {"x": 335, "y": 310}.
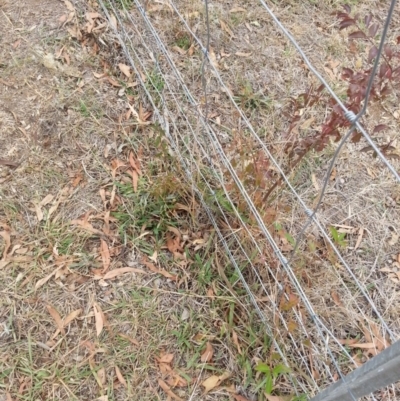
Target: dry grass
{"x": 62, "y": 128}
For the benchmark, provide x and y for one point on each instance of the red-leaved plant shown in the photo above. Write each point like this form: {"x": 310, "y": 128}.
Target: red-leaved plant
{"x": 386, "y": 82}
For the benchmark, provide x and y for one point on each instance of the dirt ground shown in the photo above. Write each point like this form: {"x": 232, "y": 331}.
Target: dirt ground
{"x": 113, "y": 282}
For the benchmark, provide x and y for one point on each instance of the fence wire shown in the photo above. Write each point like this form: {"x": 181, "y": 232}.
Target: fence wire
{"x": 314, "y": 353}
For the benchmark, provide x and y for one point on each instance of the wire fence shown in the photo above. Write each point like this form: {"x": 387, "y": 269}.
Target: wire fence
{"x": 182, "y": 97}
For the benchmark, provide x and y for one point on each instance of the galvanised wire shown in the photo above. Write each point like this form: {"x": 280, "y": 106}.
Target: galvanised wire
{"x": 150, "y": 96}
{"x": 233, "y": 174}
{"x": 204, "y": 204}
{"x": 308, "y": 211}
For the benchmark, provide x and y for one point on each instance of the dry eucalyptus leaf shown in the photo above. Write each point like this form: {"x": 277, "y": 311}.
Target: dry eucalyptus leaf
{"x": 120, "y": 377}
{"x": 57, "y": 318}
{"x": 214, "y": 381}
{"x": 167, "y": 358}
{"x": 185, "y": 314}
{"x": 72, "y": 316}
{"x": 238, "y": 397}
{"x": 69, "y": 5}
{"x": 208, "y": 353}
{"x": 135, "y": 180}
{"x": 47, "y": 278}
{"x": 118, "y": 272}
{"x": 131, "y": 340}
{"x": 98, "y": 317}
{"x": 168, "y": 390}
{"x": 241, "y": 54}
{"x": 105, "y": 255}
{"x": 125, "y": 69}
{"x": 7, "y": 239}
{"x": 113, "y": 21}
{"x": 237, "y": 10}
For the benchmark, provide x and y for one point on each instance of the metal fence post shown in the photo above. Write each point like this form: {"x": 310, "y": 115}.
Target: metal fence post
{"x": 377, "y": 373}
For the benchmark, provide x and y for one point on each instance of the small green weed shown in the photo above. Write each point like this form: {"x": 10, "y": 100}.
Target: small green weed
{"x": 183, "y": 42}
{"x": 83, "y": 109}
{"x": 270, "y": 375}
{"x": 155, "y": 81}
{"x": 250, "y": 100}
{"x": 338, "y": 238}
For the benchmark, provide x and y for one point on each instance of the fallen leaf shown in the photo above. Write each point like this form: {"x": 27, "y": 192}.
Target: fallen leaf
{"x": 381, "y": 342}
{"x": 173, "y": 243}
{"x": 185, "y": 314}
{"x": 72, "y": 316}
{"x": 7, "y": 239}
{"x": 39, "y": 213}
{"x": 236, "y": 341}
{"x": 105, "y": 255}
{"x": 134, "y": 163}
{"x": 62, "y": 196}
{"x": 125, "y": 69}
{"x": 131, "y": 340}
{"x": 167, "y": 358}
{"x": 237, "y": 10}
{"x": 120, "y": 377}
{"x": 93, "y": 15}
{"x": 168, "y": 390}
{"x": 113, "y": 21}
{"x": 44, "y": 202}
{"x": 208, "y": 353}
{"x": 99, "y": 75}
{"x": 213, "y": 58}
{"x": 314, "y": 181}
{"x": 86, "y": 225}
{"x": 8, "y": 163}
{"x": 225, "y": 27}
{"x": 113, "y": 82}
{"x": 214, "y": 381}
{"x": 362, "y": 345}
{"x": 336, "y": 299}
{"x": 179, "y": 50}
{"x": 238, "y": 397}
{"x": 69, "y": 5}
{"x": 47, "y": 278}
{"x": 115, "y": 165}
{"x": 176, "y": 381}
{"x": 118, "y": 272}
{"x": 359, "y": 238}
{"x": 240, "y": 54}
{"x": 99, "y": 318}
{"x": 77, "y": 179}
{"x": 91, "y": 21}
{"x": 160, "y": 271}
{"x": 135, "y": 180}
{"x": 57, "y": 318}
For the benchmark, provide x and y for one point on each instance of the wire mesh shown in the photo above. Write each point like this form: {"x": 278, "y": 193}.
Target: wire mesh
{"x": 306, "y": 341}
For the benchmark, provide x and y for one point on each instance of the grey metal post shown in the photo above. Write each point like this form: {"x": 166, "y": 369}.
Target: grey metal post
{"x": 378, "y": 372}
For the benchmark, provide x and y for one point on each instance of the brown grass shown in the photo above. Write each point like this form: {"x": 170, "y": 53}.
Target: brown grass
{"x": 62, "y": 129}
